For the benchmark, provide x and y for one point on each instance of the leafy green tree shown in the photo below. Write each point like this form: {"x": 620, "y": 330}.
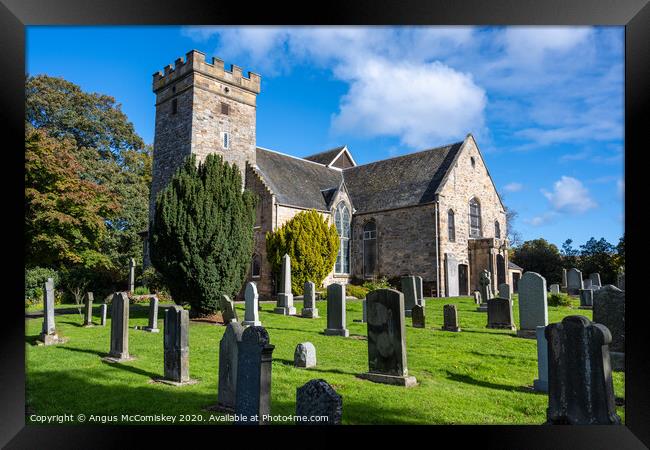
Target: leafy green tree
{"x": 599, "y": 256}
{"x": 201, "y": 238}
{"x": 570, "y": 255}
{"x": 538, "y": 255}
{"x": 620, "y": 253}
{"x": 311, "y": 242}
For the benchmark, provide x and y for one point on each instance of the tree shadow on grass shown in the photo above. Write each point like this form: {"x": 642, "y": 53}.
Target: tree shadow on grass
{"x": 496, "y": 355}
{"x": 289, "y": 362}
{"x": 463, "y": 378}
{"x": 288, "y": 329}
{"x": 84, "y": 350}
{"x": 32, "y": 340}
{"x": 510, "y": 333}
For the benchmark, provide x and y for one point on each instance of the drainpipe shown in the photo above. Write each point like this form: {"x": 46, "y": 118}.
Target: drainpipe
{"x": 437, "y": 224}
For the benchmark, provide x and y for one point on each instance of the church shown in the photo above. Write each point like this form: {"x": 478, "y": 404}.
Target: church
{"x": 434, "y": 213}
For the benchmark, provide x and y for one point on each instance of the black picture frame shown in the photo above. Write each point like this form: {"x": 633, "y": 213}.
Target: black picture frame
{"x": 633, "y": 14}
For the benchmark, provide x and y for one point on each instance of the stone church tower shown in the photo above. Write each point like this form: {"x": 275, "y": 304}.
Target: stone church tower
{"x": 201, "y": 108}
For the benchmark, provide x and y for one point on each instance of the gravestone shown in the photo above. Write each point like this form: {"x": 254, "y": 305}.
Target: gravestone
{"x": 580, "y": 387}
{"x": 564, "y": 278}
{"x": 228, "y": 360}
{"x": 304, "y": 355}
{"x": 451, "y": 275}
{"x": 152, "y": 326}
{"x": 504, "y": 291}
{"x": 587, "y": 284}
{"x": 555, "y": 288}
{"x": 228, "y": 311}
{"x": 251, "y": 315}
{"x": 176, "y": 345}
{"x": 499, "y": 314}
{"x": 595, "y": 280}
{"x": 477, "y": 297}
{"x": 450, "y": 318}
{"x": 48, "y": 334}
{"x": 410, "y": 294}
{"x": 119, "y": 329}
{"x": 336, "y": 311}
{"x": 285, "y": 297}
{"x": 253, "y": 396}
{"x": 541, "y": 383}
{"x": 609, "y": 310}
{"x": 418, "y": 318}
{"x": 309, "y": 301}
{"x": 386, "y": 339}
{"x": 574, "y": 281}
{"x": 131, "y": 275}
{"x": 533, "y": 307}
{"x": 485, "y": 285}
{"x": 317, "y": 399}
{"x": 586, "y": 299}
{"x": 103, "y": 310}
{"x": 620, "y": 281}
{"x": 419, "y": 288}
{"x": 88, "y": 312}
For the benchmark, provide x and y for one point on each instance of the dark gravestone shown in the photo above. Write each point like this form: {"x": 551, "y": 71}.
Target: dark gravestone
{"x": 386, "y": 339}
{"x": 316, "y": 400}
{"x": 574, "y": 281}
{"x": 417, "y": 317}
{"x": 450, "y": 318}
{"x": 410, "y": 294}
{"x": 609, "y": 310}
{"x": 336, "y": 311}
{"x": 285, "y": 296}
{"x": 152, "y": 326}
{"x": 176, "y": 344}
{"x": 253, "y": 398}
{"x": 586, "y": 298}
{"x": 88, "y": 312}
{"x": 48, "y": 334}
{"x": 580, "y": 387}
{"x": 119, "y": 328}
{"x": 228, "y": 311}
{"x": 499, "y": 312}
{"x": 309, "y": 301}
{"x": 451, "y": 275}
{"x": 595, "y": 280}
{"x": 228, "y": 360}
{"x": 103, "y": 312}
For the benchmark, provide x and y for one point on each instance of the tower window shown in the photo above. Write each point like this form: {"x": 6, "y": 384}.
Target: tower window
{"x": 474, "y": 218}
{"x": 451, "y": 226}
{"x": 174, "y": 106}
{"x": 342, "y": 221}
{"x": 225, "y": 108}
{"x": 225, "y": 140}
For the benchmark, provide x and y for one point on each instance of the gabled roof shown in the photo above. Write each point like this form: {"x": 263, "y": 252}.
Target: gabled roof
{"x": 407, "y": 180}
{"x": 325, "y": 157}
{"x": 298, "y": 182}
{"x": 513, "y": 266}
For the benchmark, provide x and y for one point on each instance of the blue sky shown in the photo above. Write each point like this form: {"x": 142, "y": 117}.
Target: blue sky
{"x": 544, "y": 103}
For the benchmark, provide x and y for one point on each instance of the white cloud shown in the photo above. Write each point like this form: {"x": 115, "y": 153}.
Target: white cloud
{"x": 569, "y": 196}
{"x": 531, "y": 45}
{"x": 543, "y": 219}
{"x": 513, "y": 187}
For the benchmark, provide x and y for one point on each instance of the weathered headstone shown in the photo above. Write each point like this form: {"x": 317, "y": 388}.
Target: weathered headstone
{"x": 253, "y": 396}
{"x": 574, "y": 281}
{"x": 386, "y": 339}
{"x": 485, "y": 285}
{"x": 309, "y": 301}
{"x": 499, "y": 314}
{"x": 418, "y": 318}
{"x": 554, "y": 288}
{"x": 451, "y": 275}
{"x": 152, "y": 326}
{"x": 103, "y": 311}
{"x": 586, "y": 299}
{"x": 595, "y": 280}
{"x": 477, "y": 297}
{"x": 419, "y": 287}
{"x": 620, "y": 281}
{"x": 315, "y": 400}
{"x": 541, "y": 383}
{"x": 533, "y": 306}
{"x": 450, "y": 318}
{"x": 228, "y": 360}
{"x": 228, "y": 311}
{"x": 410, "y": 294}
{"x": 609, "y": 310}
{"x": 285, "y": 297}
{"x": 251, "y": 315}
{"x": 504, "y": 291}
{"x": 336, "y": 311}
{"x": 580, "y": 387}
{"x": 304, "y": 355}
{"x": 131, "y": 275}
{"x": 587, "y": 284}
{"x": 119, "y": 328}
{"x": 88, "y": 311}
{"x": 564, "y": 278}
{"x": 176, "y": 345}
{"x": 48, "y": 334}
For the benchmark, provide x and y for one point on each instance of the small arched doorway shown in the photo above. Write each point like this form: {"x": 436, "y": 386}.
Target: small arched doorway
{"x": 463, "y": 279}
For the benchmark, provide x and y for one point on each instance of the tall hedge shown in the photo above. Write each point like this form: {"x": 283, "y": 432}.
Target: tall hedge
{"x": 201, "y": 239}
{"x": 311, "y": 242}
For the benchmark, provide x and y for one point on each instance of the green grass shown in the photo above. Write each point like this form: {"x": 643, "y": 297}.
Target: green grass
{"x": 477, "y": 376}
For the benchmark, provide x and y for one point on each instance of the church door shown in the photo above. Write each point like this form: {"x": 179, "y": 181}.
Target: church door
{"x": 501, "y": 269}
{"x": 370, "y": 249}
{"x": 463, "y": 287}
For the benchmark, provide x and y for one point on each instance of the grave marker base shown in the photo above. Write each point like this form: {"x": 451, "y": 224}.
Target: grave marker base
{"x": 482, "y": 307}
{"x": 285, "y": 310}
{"x": 337, "y": 332}
{"x": 251, "y": 323}
{"x": 540, "y": 385}
{"x": 405, "y": 381}
{"x": 408, "y": 312}
{"x": 527, "y": 334}
{"x": 117, "y": 359}
{"x": 50, "y": 339}
{"x": 502, "y": 326}
{"x": 310, "y": 313}
{"x": 175, "y": 383}
{"x": 454, "y": 329}
{"x": 147, "y": 329}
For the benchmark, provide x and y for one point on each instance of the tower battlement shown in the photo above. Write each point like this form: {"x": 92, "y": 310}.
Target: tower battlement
{"x": 195, "y": 62}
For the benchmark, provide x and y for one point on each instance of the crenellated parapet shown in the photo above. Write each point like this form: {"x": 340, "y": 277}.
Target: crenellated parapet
{"x": 195, "y": 62}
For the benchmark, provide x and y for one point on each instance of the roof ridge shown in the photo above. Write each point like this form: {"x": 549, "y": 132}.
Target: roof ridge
{"x": 406, "y": 155}
{"x": 339, "y": 147}
{"x": 294, "y": 157}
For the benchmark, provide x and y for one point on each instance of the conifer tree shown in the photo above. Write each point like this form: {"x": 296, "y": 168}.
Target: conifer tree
{"x": 201, "y": 239}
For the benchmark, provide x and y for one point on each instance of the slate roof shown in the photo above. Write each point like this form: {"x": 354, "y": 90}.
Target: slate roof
{"x": 513, "y": 266}
{"x": 298, "y": 182}
{"x": 325, "y": 157}
{"x": 398, "y": 182}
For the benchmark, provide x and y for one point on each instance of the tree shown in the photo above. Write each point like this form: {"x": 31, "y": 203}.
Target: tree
{"x": 513, "y": 235}
{"x": 538, "y": 255}
{"x": 570, "y": 255}
{"x": 620, "y": 253}
{"x": 311, "y": 242}
{"x": 201, "y": 238}
{"x": 599, "y": 256}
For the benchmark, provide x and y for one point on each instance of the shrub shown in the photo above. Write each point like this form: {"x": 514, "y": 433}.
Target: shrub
{"x": 35, "y": 278}
{"x": 380, "y": 283}
{"x": 141, "y": 290}
{"x": 311, "y": 242}
{"x": 356, "y": 291}
{"x": 560, "y": 299}
{"x": 153, "y": 280}
{"x": 201, "y": 238}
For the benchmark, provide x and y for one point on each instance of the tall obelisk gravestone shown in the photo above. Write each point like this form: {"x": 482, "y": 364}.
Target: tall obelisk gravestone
{"x": 285, "y": 297}
{"x": 119, "y": 329}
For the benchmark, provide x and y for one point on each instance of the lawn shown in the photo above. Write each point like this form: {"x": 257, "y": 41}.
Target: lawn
{"x": 477, "y": 376}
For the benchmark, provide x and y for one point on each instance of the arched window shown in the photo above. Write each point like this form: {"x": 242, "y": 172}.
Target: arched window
{"x": 370, "y": 230}
{"x": 497, "y": 229}
{"x": 370, "y": 249}
{"x": 474, "y": 218}
{"x": 342, "y": 221}
{"x": 451, "y": 226}
{"x": 256, "y": 266}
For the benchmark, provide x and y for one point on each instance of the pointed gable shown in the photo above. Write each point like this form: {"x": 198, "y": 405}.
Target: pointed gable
{"x": 338, "y": 157}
